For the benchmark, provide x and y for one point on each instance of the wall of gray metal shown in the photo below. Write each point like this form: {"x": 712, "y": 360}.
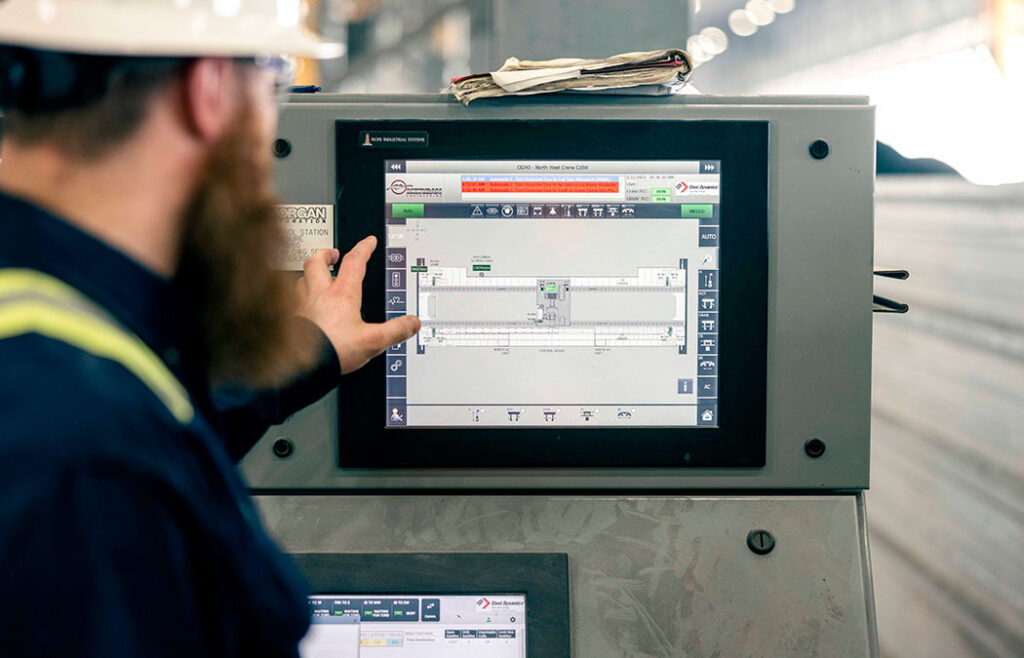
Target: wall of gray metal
{"x": 649, "y": 576}
{"x": 819, "y": 331}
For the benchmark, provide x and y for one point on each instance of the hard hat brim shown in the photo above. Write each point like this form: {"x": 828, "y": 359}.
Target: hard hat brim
{"x": 98, "y": 29}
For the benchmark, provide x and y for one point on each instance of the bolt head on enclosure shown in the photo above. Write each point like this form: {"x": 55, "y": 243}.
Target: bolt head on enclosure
{"x": 282, "y": 148}
{"x": 283, "y": 448}
{"x": 819, "y": 149}
{"x": 814, "y": 448}
{"x": 760, "y": 541}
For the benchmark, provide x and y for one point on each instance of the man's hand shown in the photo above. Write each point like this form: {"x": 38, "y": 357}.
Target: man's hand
{"x": 334, "y": 305}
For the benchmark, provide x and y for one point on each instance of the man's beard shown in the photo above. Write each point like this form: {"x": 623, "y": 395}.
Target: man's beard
{"x": 239, "y": 312}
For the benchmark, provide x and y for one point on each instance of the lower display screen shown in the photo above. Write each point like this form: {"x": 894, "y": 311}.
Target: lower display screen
{"x": 578, "y": 293}
{"x": 416, "y": 626}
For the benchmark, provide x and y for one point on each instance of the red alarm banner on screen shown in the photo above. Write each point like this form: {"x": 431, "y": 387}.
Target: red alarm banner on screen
{"x": 541, "y": 187}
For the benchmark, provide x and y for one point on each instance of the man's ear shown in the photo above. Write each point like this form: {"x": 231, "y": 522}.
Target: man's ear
{"x": 210, "y": 98}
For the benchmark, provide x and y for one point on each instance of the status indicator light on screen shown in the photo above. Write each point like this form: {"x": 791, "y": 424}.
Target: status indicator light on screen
{"x": 696, "y": 210}
{"x": 407, "y": 210}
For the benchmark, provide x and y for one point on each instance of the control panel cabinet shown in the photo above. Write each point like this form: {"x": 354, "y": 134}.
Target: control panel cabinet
{"x": 635, "y": 421}
{"x": 615, "y": 293}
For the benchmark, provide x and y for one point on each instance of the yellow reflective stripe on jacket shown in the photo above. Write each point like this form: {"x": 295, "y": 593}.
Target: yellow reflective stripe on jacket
{"x": 47, "y": 310}
{"x": 17, "y": 281}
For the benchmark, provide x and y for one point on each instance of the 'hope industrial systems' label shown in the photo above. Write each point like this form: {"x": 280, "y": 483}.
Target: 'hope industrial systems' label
{"x": 308, "y": 228}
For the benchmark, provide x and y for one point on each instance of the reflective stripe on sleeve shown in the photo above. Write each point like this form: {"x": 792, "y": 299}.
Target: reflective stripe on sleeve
{"x": 41, "y": 304}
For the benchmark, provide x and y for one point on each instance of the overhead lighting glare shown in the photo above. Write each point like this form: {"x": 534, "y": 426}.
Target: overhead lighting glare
{"x": 740, "y": 23}
{"x": 696, "y": 49}
{"x": 714, "y": 40}
{"x": 760, "y": 12}
{"x": 782, "y": 6}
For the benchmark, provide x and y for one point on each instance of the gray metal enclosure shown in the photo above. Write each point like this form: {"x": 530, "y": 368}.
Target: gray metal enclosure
{"x": 659, "y": 564}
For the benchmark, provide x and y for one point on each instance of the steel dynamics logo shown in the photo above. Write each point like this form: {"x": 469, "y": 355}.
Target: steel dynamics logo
{"x": 682, "y": 188}
{"x": 400, "y": 187}
{"x": 484, "y": 603}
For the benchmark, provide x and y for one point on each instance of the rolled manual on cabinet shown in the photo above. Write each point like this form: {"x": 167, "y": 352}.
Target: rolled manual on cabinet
{"x": 669, "y": 69}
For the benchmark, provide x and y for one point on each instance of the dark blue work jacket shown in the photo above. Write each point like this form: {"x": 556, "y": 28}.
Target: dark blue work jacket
{"x": 124, "y": 530}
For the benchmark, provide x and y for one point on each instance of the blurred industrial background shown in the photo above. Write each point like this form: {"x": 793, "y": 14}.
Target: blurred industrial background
{"x": 946, "y": 505}
{"x": 947, "y": 75}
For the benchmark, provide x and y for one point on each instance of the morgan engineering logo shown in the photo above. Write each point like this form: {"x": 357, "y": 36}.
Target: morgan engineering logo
{"x": 400, "y": 187}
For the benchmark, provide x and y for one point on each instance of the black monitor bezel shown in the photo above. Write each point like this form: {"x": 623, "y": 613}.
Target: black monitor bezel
{"x": 740, "y": 437}
{"x": 542, "y": 577}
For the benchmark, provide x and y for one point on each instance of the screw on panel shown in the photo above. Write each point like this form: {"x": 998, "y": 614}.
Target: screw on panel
{"x": 282, "y": 148}
{"x": 283, "y": 448}
{"x": 819, "y": 149}
{"x": 814, "y": 448}
{"x": 760, "y": 541}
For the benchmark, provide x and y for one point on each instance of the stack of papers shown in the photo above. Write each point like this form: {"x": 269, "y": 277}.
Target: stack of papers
{"x": 654, "y": 72}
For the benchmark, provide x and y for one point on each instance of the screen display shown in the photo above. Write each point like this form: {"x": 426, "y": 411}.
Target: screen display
{"x": 553, "y": 293}
{"x": 416, "y": 626}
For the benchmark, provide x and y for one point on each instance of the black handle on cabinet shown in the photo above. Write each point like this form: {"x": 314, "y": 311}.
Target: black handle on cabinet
{"x": 881, "y": 304}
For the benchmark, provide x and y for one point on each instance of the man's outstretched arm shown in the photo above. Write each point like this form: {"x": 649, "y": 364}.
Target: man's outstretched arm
{"x": 330, "y": 311}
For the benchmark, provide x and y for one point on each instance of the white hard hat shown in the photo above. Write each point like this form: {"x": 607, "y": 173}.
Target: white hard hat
{"x": 163, "y": 28}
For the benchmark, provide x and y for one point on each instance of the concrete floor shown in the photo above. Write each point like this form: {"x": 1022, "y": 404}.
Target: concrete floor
{"x": 946, "y": 505}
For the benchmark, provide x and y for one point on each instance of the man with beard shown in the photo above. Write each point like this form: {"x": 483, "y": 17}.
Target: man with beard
{"x": 137, "y": 233}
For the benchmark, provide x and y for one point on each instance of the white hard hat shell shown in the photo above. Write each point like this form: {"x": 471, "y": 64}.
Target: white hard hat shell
{"x": 172, "y": 28}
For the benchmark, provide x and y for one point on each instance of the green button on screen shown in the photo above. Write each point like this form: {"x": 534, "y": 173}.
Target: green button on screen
{"x": 660, "y": 191}
{"x": 697, "y": 209}
{"x": 661, "y": 199}
{"x": 406, "y": 209}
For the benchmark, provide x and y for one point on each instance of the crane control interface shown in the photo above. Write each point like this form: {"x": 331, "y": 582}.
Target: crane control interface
{"x": 590, "y": 292}
{"x": 481, "y": 625}
{"x": 542, "y": 286}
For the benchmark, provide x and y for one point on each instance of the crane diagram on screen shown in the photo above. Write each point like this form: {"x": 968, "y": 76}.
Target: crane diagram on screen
{"x": 457, "y": 309}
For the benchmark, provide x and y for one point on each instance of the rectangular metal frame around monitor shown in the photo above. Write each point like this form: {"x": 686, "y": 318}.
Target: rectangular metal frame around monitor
{"x": 542, "y": 577}
{"x": 737, "y": 439}
{"x": 819, "y": 291}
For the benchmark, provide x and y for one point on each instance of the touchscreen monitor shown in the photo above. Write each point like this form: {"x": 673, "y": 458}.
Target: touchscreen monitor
{"x": 481, "y": 625}
{"x": 591, "y": 292}
{"x": 553, "y": 293}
